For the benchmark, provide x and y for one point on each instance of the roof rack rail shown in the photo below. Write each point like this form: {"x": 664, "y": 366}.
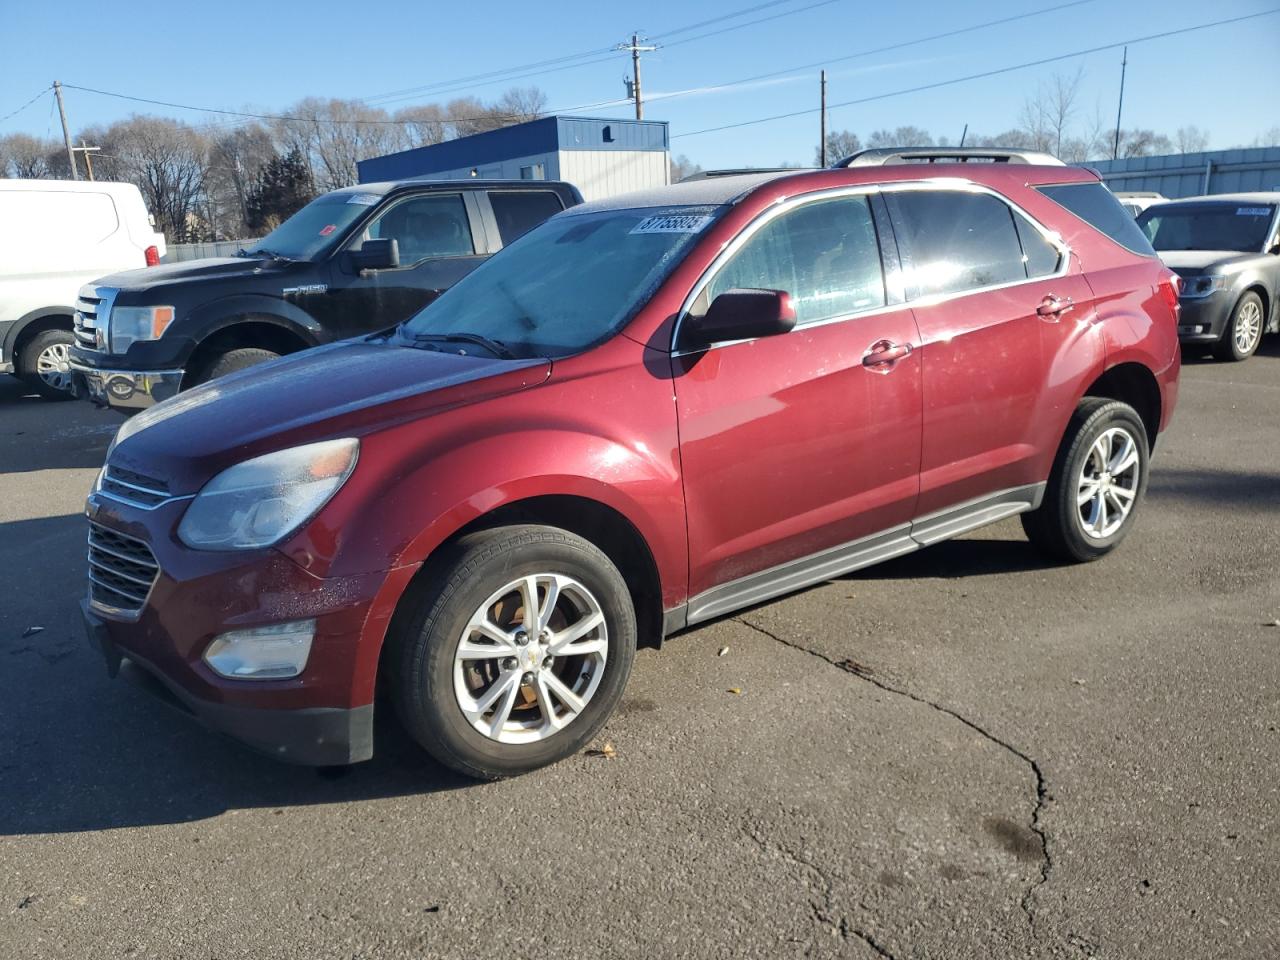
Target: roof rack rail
{"x": 881, "y": 156}
{"x": 739, "y": 171}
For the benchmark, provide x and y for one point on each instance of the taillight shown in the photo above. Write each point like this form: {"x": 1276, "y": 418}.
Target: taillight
{"x": 1170, "y": 290}
{"x": 153, "y": 256}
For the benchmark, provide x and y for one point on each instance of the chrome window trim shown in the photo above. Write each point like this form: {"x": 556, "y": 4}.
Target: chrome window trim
{"x": 787, "y": 204}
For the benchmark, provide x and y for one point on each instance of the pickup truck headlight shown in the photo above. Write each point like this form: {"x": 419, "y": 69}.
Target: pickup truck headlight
{"x": 1194, "y": 288}
{"x": 128, "y": 325}
{"x": 263, "y": 500}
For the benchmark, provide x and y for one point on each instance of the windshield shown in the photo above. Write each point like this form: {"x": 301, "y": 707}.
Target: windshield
{"x": 1208, "y": 226}
{"x": 315, "y": 227}
{"x": 568, "y": 284}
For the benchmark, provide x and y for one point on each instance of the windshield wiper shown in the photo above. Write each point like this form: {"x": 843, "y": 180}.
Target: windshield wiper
{"x": 265, "y": 253}
{"x": 496, "y": 347}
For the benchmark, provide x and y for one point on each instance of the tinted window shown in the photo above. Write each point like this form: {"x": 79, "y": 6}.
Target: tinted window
{"x": 1208, "y": 226}
{"x": 824, "y": 254}
{"x": 952, "y": 241}
{"x": 430, "y": 226}
{"x": 1097, "y": 206}
{"x": 519, "y": 212}
{"x": 1039, "y": 255}
{"x": 568, "y": 283}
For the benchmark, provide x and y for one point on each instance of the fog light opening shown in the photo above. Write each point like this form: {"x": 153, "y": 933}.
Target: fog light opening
{"x": 275, "y": 652}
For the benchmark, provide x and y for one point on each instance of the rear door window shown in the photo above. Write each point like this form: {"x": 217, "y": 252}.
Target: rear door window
{"x": 519, "y": 211}
{"x": 1097, "y": 206}
{"x": 824, "y": 254}
{"x": 952, "y": 241}
{"x": 1040, "y": 256}
{"x": 433, "y": 225}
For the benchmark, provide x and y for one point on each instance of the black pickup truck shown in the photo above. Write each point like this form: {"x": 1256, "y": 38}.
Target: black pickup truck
{"x": 351, "y": 262}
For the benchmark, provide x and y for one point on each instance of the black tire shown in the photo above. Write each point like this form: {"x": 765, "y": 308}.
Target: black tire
{"x": 1227, "y": 348}
{"x": 1058, "y": 528}
{"x": 239, "y": 359}
{"x": 420, "y": 661}
{"x": 29, "y": 359}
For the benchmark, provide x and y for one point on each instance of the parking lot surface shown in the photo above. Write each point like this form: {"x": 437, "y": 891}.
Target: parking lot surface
{"x": 966, "y": 752}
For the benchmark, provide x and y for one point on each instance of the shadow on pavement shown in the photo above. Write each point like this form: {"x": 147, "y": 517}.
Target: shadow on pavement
{"x": 1227, "y": 489}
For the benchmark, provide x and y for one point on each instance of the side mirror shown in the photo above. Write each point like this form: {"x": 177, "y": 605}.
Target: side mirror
{"x": 740, "y": 315}
{"x": 376, "y": 255}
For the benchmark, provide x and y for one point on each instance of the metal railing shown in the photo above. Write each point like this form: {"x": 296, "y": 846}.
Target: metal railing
{"x": 177, "y": 252}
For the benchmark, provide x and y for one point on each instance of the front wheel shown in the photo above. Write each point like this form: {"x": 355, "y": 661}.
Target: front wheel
{"x": 242, "y": 358}
{"x": 517, "y": 653}
{"x": 1098, "y": 478}
{"x": 1244, "y": 330}
{"x": 46, "y": 364}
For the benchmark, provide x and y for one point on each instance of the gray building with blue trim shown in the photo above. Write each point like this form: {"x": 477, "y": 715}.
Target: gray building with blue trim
{"x": 599, "y": 156}
{"x": 1243, "y": 170}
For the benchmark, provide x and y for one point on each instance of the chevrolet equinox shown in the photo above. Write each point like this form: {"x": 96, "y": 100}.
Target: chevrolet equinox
{"x": 647, "y": 412}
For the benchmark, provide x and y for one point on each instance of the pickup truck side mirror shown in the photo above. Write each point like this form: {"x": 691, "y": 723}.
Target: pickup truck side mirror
{"x": 376, "y": 255}
{"x": 740, "y": 315}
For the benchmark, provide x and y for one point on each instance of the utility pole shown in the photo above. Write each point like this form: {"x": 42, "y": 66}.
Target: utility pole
{"x": 66, "y": 132}
{"x": 88, "y": 160}
{"x": 634, "y": 86}
{"x": 1115, "y": 149}
{"x": 822, "y": 126}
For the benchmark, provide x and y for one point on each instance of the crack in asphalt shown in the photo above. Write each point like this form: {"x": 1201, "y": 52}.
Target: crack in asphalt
{"x": 823, "y": 908}
{"x": 1037, "y": 827}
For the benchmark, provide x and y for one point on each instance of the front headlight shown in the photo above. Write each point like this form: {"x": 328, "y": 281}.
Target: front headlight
{"x": 262, "y": 501}
{"x": 128, "y": 325}
{"x": 1193, "y": 288}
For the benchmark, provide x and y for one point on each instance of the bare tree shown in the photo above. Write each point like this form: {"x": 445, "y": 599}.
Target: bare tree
{"x": 168, "y": 161}
{"x": 31, "y": 158}
{"x": 236, "y": 159}
{"x": 1144, "y": 143}
{"x": 521, "y": 104}
{"x": 1191, "y": 139}
{"x": 1059, "y": 96}
{"x": 900, "y": 137}
{"x": 840, "y": 144}
{"x": 422, "y": 125}
{"x": 682, "y": 167}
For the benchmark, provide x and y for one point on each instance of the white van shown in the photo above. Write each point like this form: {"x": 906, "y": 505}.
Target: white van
{"x": 56, "y": 236}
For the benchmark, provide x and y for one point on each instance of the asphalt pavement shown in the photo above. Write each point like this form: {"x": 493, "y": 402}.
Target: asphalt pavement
{"x": 964, "y": 753}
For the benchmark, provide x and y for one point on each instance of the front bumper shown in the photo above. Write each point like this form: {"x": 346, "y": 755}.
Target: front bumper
{"x": 323, "y": 716}
{"x": 1203, "y": 319}
{"x": 128, "y": 390}
{"x": 311, "y": 736}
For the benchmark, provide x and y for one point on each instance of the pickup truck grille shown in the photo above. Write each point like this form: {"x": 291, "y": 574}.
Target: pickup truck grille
{"x": 92, "y": 309}
{"x": 135, "y": 488}
{"x": 122, "y": 569}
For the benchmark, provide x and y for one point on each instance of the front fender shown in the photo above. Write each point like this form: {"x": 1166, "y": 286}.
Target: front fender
{"x": 224, "y": 312}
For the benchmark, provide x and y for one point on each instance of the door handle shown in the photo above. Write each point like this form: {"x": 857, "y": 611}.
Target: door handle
{"x": 883, "y": 354}
{"x": 1053, "y": 307}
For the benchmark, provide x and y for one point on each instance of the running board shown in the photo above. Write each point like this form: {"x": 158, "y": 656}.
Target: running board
{"x": 835, "y": 561}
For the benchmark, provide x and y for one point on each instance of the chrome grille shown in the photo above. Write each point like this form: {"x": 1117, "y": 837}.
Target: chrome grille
{"x": 121, "y": 569}
{"x": 135, "y": 488}
{"x": 92, "y": 309}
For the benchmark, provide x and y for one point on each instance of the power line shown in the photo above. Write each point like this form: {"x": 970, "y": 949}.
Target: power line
{"x": 8, "y": 116}
{"x": 598, "y": 55}
{"x": 874, "y": 50}
{"x": 750, "y": 23}
{"x": 986, "y": 73}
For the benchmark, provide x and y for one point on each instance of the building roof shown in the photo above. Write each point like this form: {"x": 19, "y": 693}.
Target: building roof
{"x": 544, "y": 135}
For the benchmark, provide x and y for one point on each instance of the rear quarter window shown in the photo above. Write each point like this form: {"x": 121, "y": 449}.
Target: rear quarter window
{"x": 1097, "y": 206}
{"x": 519, "y": 211}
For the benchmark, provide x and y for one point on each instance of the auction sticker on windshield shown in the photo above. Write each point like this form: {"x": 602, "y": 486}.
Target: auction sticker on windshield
{"x": 1253, "y": 212}
{"x": 364, "y": 199}
{"x": 672, "y": 223}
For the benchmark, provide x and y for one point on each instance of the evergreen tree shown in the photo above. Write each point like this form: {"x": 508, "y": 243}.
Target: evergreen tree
{"x": 283, "y": 187}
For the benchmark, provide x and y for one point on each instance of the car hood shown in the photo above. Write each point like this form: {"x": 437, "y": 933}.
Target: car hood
{"x": 1190, "y": 263}
{"x": 211, "y": 268}
{"x": 342, "y": 389}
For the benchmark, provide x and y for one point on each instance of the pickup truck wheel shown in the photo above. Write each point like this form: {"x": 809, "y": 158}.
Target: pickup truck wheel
{"x": 1098, "y": 478}
{"x": 1244, "y": 330}
{"x": 517, "y": 653}
{"x": 239, "y": 359}
{"x": 45, "y": 364}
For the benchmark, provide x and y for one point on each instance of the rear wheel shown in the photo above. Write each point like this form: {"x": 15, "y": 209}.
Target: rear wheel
{"x": 239, "y": 359}
{"x": 1244, "y": 330}
{"x": 1098, "y": 478}
{"x": 517, "y": 653}
{"x": 45, "y": 362}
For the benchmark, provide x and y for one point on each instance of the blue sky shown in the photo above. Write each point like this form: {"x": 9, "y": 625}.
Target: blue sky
{"x": 264, "y": 56}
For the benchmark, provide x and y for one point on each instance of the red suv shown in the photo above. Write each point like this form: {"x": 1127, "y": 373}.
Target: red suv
{"x": 646, "y": 413}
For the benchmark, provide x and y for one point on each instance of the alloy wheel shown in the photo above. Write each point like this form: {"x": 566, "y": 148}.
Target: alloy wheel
{"x": 531, "y": 658}
{"x": 1108, "y": 483}
{"x": 53, "y": 366}
{"x": 1247, "y": 330}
